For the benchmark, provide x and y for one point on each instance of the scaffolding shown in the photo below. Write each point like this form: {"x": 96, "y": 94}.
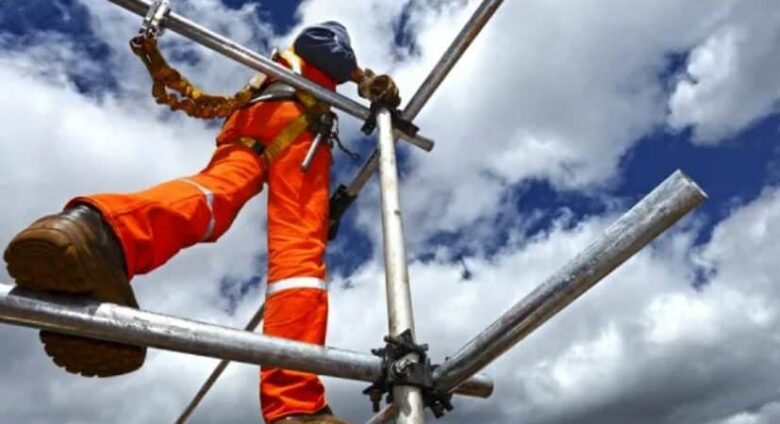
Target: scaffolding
{"x": 403, "y": 370}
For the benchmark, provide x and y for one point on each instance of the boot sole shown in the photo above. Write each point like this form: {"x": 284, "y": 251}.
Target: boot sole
{"x": 46, "y": 259}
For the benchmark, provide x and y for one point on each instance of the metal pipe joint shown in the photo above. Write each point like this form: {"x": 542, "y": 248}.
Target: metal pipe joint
{"x": 154, "y": 17}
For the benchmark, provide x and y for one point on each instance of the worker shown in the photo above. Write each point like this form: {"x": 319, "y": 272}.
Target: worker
{"x": 100, "y": 242}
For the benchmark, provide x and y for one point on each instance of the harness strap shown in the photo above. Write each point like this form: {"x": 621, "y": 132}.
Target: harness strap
{"x": 313, "y": 111}
{"x": 251, "y": 143}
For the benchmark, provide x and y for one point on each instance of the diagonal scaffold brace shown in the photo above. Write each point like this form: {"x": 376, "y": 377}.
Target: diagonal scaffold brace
{"x": 345, "y": 195}
{"x": 658, "y": 211}
{"x": 410, "y": 394}
{"x": 252, "y": 325}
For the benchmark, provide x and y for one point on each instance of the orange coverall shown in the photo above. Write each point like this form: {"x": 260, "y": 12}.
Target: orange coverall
{"x": 154, "y": 224}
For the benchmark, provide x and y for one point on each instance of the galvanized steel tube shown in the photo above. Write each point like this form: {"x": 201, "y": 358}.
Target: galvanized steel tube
{"x": 121, "y": 324}
{"x": 454, "y": 52}
{"x": 669, "y": 202}
{"x": 477, "y": 384}
{"x": 260, "y": 63}
{"x": 386, "y": 415}
{"x": 218, "y": 370}
{"x": 106, "y": 321}
{"x": 462, "y": 41}
{"x": 399, "y": 299}
{"x": 254, "y": 322}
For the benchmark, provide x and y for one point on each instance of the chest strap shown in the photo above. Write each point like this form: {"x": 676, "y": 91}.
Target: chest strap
{"x": 313, "y": 111}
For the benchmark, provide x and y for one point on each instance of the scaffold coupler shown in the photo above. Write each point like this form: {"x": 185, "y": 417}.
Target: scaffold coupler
{"x": 400, "y": 368}
{"x": 157, "y": 12}
{"x": 399, "y": 123}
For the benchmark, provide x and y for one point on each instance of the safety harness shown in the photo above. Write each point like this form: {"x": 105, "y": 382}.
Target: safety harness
{"x": 197, "y": 104}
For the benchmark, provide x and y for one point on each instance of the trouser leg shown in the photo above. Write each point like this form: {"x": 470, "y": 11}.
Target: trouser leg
{"x": 297, "y": 300}
{"x": 154, "y": 224}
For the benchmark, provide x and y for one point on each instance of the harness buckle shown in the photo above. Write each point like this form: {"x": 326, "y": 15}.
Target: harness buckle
{"x": 157, "y": 12}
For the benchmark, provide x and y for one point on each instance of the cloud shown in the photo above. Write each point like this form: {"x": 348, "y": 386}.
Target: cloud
{"x": 551, "y": 91}
{"x": 766, "y": 414}
{"x": 60, "y": 142}
{"x": 644, "y": 346}
{"x": 730, "y": 81}
{"x": 547, "y": 91}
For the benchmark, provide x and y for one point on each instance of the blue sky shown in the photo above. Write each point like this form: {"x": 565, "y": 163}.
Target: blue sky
{"x": 722, "y": 170}
{"x": 598, "y": 115}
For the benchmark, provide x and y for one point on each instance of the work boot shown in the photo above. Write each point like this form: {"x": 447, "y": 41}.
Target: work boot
{"x": 323, "y": 416}
{"x": 76, "y": 252}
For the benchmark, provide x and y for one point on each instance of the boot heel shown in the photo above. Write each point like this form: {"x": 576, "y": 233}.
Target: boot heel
{"x": 90, "y": 357}
{"x": 70, "y": 253}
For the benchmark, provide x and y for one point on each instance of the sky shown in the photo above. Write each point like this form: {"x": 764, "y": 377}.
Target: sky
{"x": 560, "y": 117}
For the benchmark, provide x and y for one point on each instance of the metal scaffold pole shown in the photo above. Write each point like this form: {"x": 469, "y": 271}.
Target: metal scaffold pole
{"x": 386, "y": 415}
{"x": 463, "y": 40}
{"x": 254, "y": 322}
{"x": 399, "y": 299}
{"x": 659, "y": 210}
{"x": 258, "y": 62}
{"x": 429, "y": 386}
{"x": 107, "y": 321}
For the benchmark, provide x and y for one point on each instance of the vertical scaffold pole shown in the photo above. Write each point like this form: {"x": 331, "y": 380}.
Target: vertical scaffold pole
{"x": 467, "y": 35}
{"x": 399, "y": 300}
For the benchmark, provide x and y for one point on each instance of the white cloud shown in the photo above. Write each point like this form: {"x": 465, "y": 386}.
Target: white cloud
{"x": 644, "y": 346}
{"x": 730, "y": 81}
{"x": 548, "y": 91}
{"x": 766, "y": 414}
{"x": 59, "y": 143}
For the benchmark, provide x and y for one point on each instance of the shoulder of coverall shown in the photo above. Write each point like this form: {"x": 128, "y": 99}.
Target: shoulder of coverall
{"x": 327, "y": 47}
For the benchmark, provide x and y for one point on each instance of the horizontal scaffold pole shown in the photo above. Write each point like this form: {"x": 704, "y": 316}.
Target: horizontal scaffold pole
{"x": 664, "y": 206}
{"x": 107, "y": 321}
{"x": 258, "y": 62}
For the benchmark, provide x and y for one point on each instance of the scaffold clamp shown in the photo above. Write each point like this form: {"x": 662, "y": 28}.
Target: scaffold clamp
{"x": 406, "y": 363}
{"x": 157, "y": 12}
{"x": 399, "y": 123}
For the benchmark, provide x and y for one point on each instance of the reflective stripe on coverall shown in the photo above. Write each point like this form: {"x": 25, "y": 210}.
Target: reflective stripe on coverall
{"x": 153, "y": 225}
